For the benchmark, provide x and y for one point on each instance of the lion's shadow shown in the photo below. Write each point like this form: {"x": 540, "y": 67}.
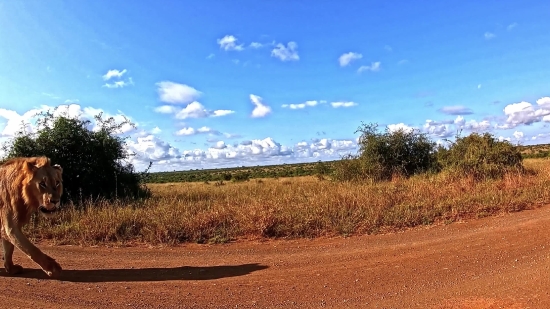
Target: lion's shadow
{"x": 145, "y": 274}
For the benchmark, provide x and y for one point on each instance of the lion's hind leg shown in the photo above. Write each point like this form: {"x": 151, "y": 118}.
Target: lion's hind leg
{"x": 11, "y": 269}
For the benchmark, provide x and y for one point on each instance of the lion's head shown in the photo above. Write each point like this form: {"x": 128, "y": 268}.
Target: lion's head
{"x": 46, "y": 185}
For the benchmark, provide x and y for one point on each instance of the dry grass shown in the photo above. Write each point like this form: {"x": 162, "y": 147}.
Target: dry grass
{"x": 298, "y": 207}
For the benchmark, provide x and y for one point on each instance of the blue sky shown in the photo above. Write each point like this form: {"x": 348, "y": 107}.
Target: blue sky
{"x": 231, "y": 83}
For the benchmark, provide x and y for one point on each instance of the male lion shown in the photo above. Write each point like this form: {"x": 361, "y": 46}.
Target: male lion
{"x": 27, "y": 185}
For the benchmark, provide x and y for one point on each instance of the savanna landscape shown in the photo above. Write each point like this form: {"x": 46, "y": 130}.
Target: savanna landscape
{"x": 274, "y": 154}
{"x": 404, "y": 223}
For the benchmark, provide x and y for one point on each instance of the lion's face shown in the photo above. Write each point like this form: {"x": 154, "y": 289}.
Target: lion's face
{"x": 47, "y": 184}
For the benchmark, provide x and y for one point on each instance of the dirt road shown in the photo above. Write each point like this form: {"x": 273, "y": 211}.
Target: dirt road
{"x": 501, "y": 262}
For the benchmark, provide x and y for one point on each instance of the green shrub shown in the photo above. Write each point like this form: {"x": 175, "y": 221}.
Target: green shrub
{"x": 385, "y": 154}
{"x": 481, "y": 156}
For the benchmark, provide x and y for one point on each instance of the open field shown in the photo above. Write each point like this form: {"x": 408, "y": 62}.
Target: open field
{"x": 294, "y": 208}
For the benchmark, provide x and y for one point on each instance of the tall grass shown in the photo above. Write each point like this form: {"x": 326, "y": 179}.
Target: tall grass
{"x": 299, "y": 207}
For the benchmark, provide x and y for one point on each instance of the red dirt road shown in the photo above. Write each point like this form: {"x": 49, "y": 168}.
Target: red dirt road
{"x": 499, "y": 262}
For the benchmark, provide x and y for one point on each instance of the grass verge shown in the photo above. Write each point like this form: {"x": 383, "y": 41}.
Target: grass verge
{"x": 294, "y": 208}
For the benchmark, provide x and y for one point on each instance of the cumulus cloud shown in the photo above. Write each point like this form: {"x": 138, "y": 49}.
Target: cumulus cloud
{"x": 286, "y": 53}
{"x": 301, "y": 105}
{"x": 248, "y": 152}
{"x": 113, "y": 74}
{"x": 456, "y": 110}
{"x": 347, "y": 58}
{"x": 229, "y": 42}
{"x": 525, "y": 113}
{"x": 343, "y": 104}
{"x": 472, "y": 125}
{"x": 151, "y": 148}
{"x": 518, "y": 135}
{"x": 438, "y": 129}
{"x": 400, "y": 126}
{"x": 261, "y": 109}
{"x": 27, "y": 121}
{"x": 175, "y": 93}
{"x": 374, "y": 67}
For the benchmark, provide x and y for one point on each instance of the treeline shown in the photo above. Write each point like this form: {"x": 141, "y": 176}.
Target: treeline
{"x": 535, "y": 151}
{"x": 243, "y": 173}
{"x": 383, "y": 155}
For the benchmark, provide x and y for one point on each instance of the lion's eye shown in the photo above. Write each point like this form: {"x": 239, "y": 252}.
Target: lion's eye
{"x": 42, "y": 185}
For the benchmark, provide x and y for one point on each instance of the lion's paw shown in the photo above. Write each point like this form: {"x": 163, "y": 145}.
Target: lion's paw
{"x": 13, "y": 269}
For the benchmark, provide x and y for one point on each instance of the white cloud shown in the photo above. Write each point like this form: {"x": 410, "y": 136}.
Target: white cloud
{"x": 301, "y": 105}
{"x": 120, "y": 84}
{"x": 113, "y": 74}
{"x": 524, "y": 113}
{"x": 151, "y": 148}
{"x": 261, "y": 110}
{"x": 256, "y": 45}
{"x": 72, "y": 101}
{"x": 347, "y": 58}
{"x": 286, "y": 53}
{"x": 343, "y": 104}
{"x": 192, "y": 110}
{"x": 518, "y": 135}
{"x": 511, "y": 26}
{"x": 175, "y": 93}
{"x": 166, "y": 109}
{"x": 27, "y": 120}
{"x": 156, "y": 130}
{"x": 249, "y": 153}
{"x": 210, "y": 56}
{"x": 186, "y": 131}
{"x": 438, "y": 129}
{"x": 374, "y": 67}
{"x": 472, "y": 125}
{"x": 400, "y": 126}
{"x": 489, "y": 35}
{"x": 222, "y": 112}
{"x": 16, "y": 122}
{"x": 229, "y": 42}
{"x": 479, "y": 86}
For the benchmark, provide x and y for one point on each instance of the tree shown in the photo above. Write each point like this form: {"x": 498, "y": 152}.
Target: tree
{"x": 384, "y": 154}
{"x": 94, "y": 159}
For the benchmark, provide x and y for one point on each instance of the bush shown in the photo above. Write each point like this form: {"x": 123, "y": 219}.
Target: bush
{"x": 93, "y": 159}
{"x": 481, "y": 156}
{"x": 384, "y": 155}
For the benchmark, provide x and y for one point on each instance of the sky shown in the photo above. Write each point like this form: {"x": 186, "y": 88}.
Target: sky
{"x": 212, "y": 84}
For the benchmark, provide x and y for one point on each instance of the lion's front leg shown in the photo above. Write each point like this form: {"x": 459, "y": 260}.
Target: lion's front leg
{"x": 16, "y": 237}
{"x": 11, "y": 269}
